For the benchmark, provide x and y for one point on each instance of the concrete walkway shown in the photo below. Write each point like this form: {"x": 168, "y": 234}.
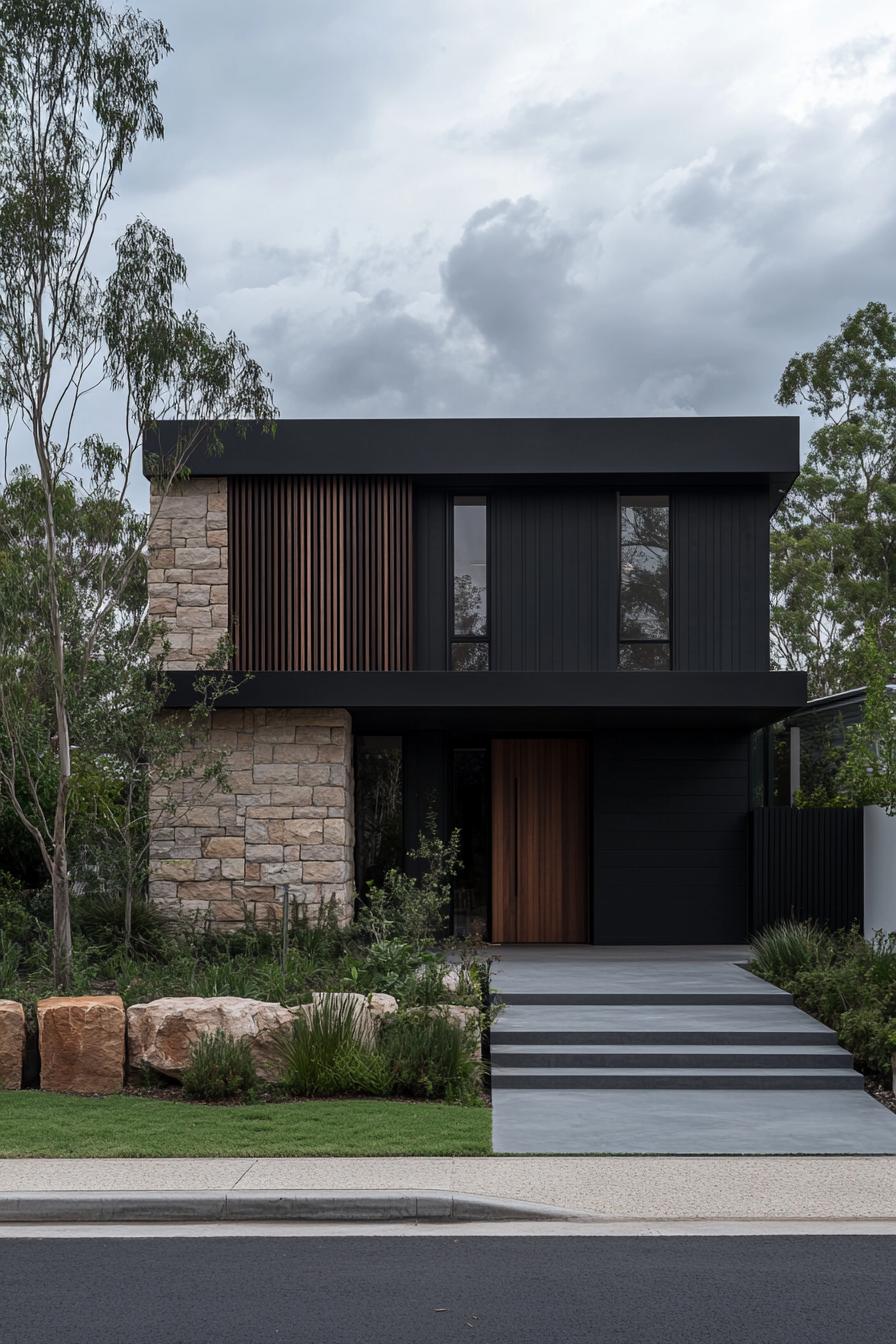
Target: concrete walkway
{"x": 667, "y": 1050}
{"x": 652, "y": 1188}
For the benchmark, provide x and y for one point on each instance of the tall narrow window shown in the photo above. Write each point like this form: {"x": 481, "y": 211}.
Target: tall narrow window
{"x": 469, "y": 605}
{"x": 644, "y": 582}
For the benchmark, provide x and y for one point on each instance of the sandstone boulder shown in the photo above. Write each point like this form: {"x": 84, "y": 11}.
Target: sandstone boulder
{"x": 81, "y": 1043}
{"x": 381, "y": 1005}
{"x": 162, "y": 1033}
{"x": 12, "y": 1044}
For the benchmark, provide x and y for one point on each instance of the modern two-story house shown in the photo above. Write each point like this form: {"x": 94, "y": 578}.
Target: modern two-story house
{"x": 549, "y": 634}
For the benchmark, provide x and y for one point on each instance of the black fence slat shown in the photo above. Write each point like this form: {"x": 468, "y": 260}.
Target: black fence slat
{"x": 807, "y": 863}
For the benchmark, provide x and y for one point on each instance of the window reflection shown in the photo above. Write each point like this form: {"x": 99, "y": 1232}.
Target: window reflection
{"x": 469, "y": 621}
{"x": 644, "y": 582}
{"x": 378, "y": 818}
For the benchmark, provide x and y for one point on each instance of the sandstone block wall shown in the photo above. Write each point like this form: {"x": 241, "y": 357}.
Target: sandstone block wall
{"x": 188, "y": 569}
{"x": 288, "y": 820}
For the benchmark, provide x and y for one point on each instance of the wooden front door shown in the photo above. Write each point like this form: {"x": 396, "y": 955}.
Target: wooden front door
{"x": 539, "y": 840}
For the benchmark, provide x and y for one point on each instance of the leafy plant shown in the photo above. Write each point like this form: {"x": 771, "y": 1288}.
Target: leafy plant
{"x": 220, "y": 1068}
{"x": 429, "y": 1055}
{"x": 326, "y": 1056}
{"x": 412, "y": 907}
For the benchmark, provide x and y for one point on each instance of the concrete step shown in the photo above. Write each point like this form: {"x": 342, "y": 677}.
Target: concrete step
{"x": 638, "y": 997}
{"x": 731, "y": 1024}
{"x": 677, "y": 1056}
{"x": 728, "y": 1079}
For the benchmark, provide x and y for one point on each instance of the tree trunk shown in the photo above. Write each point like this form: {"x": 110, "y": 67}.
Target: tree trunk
{"x": 128, "y": 912}
{"x": 62, "y": 917}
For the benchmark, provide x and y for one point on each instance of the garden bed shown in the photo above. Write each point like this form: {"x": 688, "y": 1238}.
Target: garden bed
{"x": 38, "y": 1124}
{"x": 845, "y": 981}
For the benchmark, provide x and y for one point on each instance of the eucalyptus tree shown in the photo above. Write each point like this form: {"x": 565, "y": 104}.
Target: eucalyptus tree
{"x": 77, "y": 95}
{"x": 834, "y": 538}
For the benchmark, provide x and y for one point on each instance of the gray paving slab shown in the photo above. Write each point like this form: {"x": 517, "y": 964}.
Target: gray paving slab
{"x": 563, "y": 970}
{"x": 656, "y": 1017}
{"x": 690, "y": 1121}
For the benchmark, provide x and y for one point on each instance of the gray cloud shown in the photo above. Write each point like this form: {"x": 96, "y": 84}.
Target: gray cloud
{"x": 445, "y": 209}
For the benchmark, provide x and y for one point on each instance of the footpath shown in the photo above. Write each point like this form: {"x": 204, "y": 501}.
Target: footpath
{"x": 660, "y": 1190}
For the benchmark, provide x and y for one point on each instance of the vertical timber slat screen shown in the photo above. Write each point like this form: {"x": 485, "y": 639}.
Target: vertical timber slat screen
{"x": 320, "y": 573}
{"x": 807, "y": 863}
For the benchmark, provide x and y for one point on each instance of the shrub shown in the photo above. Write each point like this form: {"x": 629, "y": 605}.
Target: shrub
{"x": 841, "y": 978}
{"x": 220, "y": 1068}
{"x": 323, "y": 1055}
{"x": 100, "y": 918}
{"x": 783, "y": 950}
{"x": 413, "y": 909}
{"x": 431, "y": 1056}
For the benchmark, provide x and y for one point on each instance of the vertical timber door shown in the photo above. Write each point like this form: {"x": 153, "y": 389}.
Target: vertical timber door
{"x": 539, "y": 840}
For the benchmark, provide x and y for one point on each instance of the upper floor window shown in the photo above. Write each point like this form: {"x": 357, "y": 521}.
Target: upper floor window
{"x": 469, "y": 602}
{"x": 644, "y": 582}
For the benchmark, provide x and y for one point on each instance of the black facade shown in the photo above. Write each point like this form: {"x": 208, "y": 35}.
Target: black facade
{"x": 667, "y": 728}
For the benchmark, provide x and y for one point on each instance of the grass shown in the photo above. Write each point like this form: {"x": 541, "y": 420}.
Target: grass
{"x": 41, "y": 1124}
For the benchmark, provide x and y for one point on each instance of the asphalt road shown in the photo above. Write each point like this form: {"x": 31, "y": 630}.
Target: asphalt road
{"x": 408, "y": 1290}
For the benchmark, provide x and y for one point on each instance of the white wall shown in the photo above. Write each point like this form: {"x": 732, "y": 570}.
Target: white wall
{"x": 880, "y": 871}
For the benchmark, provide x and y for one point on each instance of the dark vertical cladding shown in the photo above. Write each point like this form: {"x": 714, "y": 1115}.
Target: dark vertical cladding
{"x": 431, "y": 579}
{"x": 552, "y": 554}
{"x": 720, "y": 583}
{"x": 671, "y": 835}
{"x": 321, "y": 573}
{"x": 807, "y": 863}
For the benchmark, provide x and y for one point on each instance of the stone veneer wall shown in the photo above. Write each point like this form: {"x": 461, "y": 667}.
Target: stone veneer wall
{"x": 289, "y": 818}
{"x": 188, "y": 569}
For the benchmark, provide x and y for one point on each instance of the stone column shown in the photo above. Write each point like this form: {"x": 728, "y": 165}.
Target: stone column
{"x": 188, "y": 569}
{"x": 288, "y": 820}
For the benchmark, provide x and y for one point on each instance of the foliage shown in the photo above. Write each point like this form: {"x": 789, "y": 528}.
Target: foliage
{"x": 191, "y": 959}
{"x": 44, "y": 1124}
{"x": 219, "y": 1068}
{"x": 411, "y": 907}
{"x": 414, "y": 1053}
{"x": 783, "y": 950}
{"x": 17, "y": 922}
{"x": 833, "y": 566}
{"x": 867, "y": 772}
{"x": 77, "y": 95}
{"x": 325, "y": 1056}
{"x": 430, "y": 1056}
{"x": 102, "y": 918}
{"x": 860, "y": 769}
{"x": 841, "y": 978}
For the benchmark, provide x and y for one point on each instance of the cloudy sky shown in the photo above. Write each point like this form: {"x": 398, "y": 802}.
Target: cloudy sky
{"x": 526, "y": 207}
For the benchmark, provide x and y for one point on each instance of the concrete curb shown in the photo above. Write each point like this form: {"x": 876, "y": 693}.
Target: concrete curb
{"x": 234, "y": 1206}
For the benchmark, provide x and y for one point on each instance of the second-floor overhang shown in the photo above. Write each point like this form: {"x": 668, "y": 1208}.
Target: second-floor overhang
{"x": 494, "y": 700}
{"x": 638, "y": 453}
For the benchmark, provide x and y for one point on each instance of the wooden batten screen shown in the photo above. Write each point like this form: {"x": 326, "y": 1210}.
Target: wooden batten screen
{"x": 320, "y": 573}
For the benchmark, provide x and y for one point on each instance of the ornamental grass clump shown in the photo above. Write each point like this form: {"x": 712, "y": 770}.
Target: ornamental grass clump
{"x": 220, "y": 1068}
{"x": 783, "y": 950}
{"x": 430, "y": 1056}
{"x": 326, "y": 1054}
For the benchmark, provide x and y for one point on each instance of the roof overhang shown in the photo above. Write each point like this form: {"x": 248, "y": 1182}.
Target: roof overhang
{"x": 491, "y": 699}
{"x": 645, "y": 452}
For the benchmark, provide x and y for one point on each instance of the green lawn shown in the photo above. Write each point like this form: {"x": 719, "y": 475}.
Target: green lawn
{"x": 39, "y": 1124}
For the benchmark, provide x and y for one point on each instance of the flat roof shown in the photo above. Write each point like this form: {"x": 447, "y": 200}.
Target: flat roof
{"x": 673, "y": 449}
